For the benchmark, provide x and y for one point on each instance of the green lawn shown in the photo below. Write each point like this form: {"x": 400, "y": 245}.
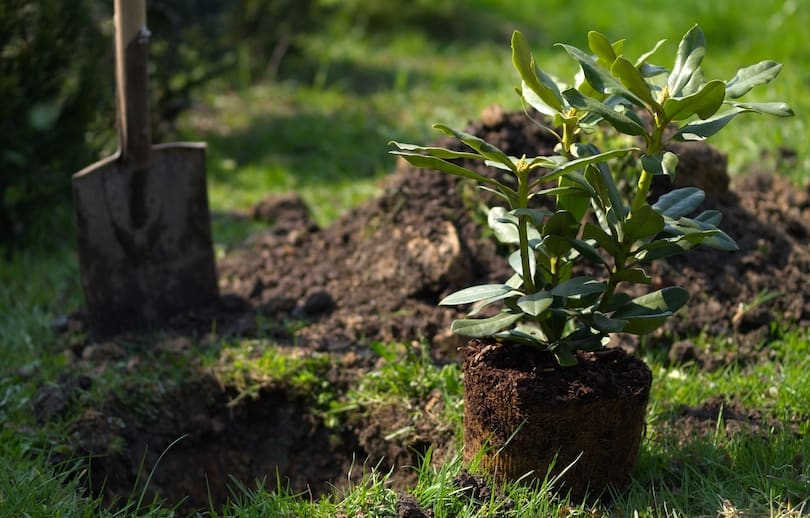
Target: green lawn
{"x": 322, "y": 129}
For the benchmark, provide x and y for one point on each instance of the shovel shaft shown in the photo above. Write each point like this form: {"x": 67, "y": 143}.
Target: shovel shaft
{"x": 131, "y": 52}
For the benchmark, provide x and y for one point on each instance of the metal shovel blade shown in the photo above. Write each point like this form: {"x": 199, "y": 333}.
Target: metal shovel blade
{"x": 143, "y": 225}
{"x": 138, "y": 274}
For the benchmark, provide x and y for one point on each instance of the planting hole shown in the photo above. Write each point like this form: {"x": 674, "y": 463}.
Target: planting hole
{"x": 195, "y": 450}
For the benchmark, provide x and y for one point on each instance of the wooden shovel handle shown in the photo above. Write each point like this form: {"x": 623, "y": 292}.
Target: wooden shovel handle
{"x": 131, "y": 53}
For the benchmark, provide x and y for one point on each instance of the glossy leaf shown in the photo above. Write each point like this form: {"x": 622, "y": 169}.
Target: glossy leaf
{"x": 564, "y": 356}
{"x": 528, "y": 96}
{"x": 599, "y": 79}
{"x": 438, "y": 152}
{"x": 648, "y": 312}
{"x": 694, "y": 84}
{"x": 632, "y": 79}
{"x": 691, "y": 50}
{"x": 747, "y": 78}
{"x": 644, "y": 57}
{"x": 504, "y": 226}
{"x": 536, "y": 303}
{"x": 711, "y": 235}
{"x": 483, "y": 327}
{"x": 701, "y": 130}
{"x": 601, "y": 46}
{"x": 634, "y": 275}
{"x": 777, "y": 109}
{"x": 483, "y": 147}
{"x": 517, "y": 264}
{"x": 475, "y": 294}
{"x": 578, "y": 287}
{"x": 679, "y": 202}
{"x": 643, "y": 222}
{"x": 536, "y": 215}
{"x": 712, "y": 217}
{"x": 587, "y": 250}
{"x": 602, "y": 238}
{"x": 607, "y": 325}
{"x": 618, "y": 120}
{"x": 704, "y": 103}
{"x": 561, "y": 223}
{"x": 431, "y": 162}
{"x": 580, "y": 163}
{"x": 665, "y": 165}
{"x": 535, "y": 79}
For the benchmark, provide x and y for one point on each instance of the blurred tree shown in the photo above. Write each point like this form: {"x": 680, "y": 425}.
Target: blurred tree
{"x": 53, "y": 87}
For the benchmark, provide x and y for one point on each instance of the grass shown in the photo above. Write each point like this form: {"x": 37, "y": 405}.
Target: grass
{"x": 322, "y": 130}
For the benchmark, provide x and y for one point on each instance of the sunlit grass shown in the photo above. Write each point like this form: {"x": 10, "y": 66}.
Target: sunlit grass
{"x": 322, "y": 129}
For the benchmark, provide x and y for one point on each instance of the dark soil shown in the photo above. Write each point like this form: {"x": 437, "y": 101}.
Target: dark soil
{"x": 377, "y": 274}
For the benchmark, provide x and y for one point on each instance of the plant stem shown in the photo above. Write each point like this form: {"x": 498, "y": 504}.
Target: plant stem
{"x": 654, "y": 145}
{"x": 523, "y": 232}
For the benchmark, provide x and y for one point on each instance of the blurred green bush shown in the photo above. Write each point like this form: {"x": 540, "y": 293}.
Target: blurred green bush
{"x": 53, "y": 86}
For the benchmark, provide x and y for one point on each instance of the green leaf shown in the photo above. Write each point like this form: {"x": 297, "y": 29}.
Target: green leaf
{"x": 643, "y": 222}
{"x": 712, "y": 217}
{"x": 701, "y": 130}
{"x": 571, "y": 197}
{"x": 579, "y": 163}
{"x": 535, "y": 304}
{"x": 556, "y": 246}
{"x": 598, "y": 78}
{"x": 705, "y": 102}
{"x": 474, "y": 294}
{"x": 517, "y": 264}
{"x": 602, "y": 238}
{"x": 564, "y": 356}
{"x": 480, "y": 145}
{"x": 587, "y": 250}
{"x": 665, "y": 165}
{"x": 648, "y": 312}
{"x": 602, "y": 180}
{"x": 778, "y": 109}
{"x": 438, "y": 152}
{"x": 578, "y": 287}
{"x": 690, "y": 54}
{"x": 644, "y": 57}
{"x": 481, "y": 304}
{"x": 504, "y": 226}
{"x": 535, "y": 101}
{"x": 482, "y": 327}
{"x": 534, "y": 78}
{"x": 667, "y": 247}
{"x": 747, "y": 78}
{"x": 602, "y": 323}
{"x": 710, "y": 235}
{"x": 695, "y": 83}
{"x": 561, "y": 223}
{"x": 537, "y": 215}
{"x": 618, "y": 120}
{"x": 430, "y": 162}
{"x": 679, "y": 202}
{"x": 634, "y": 275}
{"x": 631, "y": 78}
{"x": 601, "y": 46}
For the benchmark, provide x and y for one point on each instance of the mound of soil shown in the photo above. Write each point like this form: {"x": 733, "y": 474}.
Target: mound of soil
{"x": 377, "y": 273}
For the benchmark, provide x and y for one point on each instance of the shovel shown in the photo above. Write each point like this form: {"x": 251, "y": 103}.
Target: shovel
{"x": 144, "y": 230}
